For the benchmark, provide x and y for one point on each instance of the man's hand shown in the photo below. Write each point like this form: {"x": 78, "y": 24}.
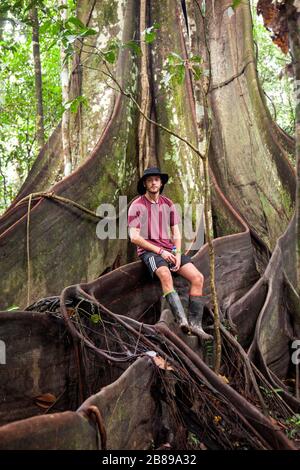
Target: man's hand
{"x": 168, "y": 256}
{"x": 177, "y": 263}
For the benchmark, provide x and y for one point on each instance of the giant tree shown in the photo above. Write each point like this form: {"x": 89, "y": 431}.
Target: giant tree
{"x": 48, "y": 235}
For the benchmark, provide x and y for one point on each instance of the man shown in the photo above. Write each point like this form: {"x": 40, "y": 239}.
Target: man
{"x": 150, "y": 219}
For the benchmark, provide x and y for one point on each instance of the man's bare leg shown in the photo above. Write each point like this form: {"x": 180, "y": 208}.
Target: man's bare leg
{"x": 165, "y": 277}
{"x": 193, "y": 275}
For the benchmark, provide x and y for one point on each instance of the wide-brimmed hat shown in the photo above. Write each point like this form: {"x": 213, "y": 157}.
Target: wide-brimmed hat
{"x": 152, "y": 172}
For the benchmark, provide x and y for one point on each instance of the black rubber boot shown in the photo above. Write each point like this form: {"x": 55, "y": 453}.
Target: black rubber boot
{"x": 177, "y": 310}
{"x": 196, "y": 307}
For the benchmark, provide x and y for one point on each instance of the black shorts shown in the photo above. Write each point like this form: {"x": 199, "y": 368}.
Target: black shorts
{"x": 154, "y": 261}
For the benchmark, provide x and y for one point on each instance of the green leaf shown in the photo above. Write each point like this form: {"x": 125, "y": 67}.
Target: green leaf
{"x": 45, "y": 26}
{"x": 5, "y": 7}
{"x": 77, "y": 102}
{"x": 12, "y": 307}
{"x": 197, "y": 72}
{"x": 68, "y": 36}
{"x": 150, "y": 37}
{"x": 150, "y": 33}
{"x": 173, "y": 57}
{"x": 110, "y": 56}
{"x": 180, "y": 74}
{"x": 88, "y": 32}
{"x": 30, "y": 5}
{"x": 175, "y": 65}
{"x": 134, "y": 46}
{"x": 76, "y": 22}
{"x": 95, "y": 318}
{"x": 112, "y": 51}
{"x": 52, "y": 43}
{"x": 197, "y": 59}
{"x": 235, "y": 3}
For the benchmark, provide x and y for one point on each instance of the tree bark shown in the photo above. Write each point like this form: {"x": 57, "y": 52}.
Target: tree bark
{"x": 247, "y": 157}
{"x": 143, "y": 133}
{"x": 109, "y": 171}
{"x": 65, "y": 122}
{"x": 40, "y": 134}
{"x": 294, "y": 25}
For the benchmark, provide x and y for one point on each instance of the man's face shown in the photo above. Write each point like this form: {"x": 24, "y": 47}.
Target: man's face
{"x": 153, "y": 184}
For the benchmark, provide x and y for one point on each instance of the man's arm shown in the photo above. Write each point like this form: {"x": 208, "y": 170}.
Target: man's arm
{"x": 176, "y": 239}
{"x": 138, "y": 240}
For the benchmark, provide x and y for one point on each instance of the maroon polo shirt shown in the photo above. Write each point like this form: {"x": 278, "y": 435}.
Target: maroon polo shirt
{"x": 154, "y": 220}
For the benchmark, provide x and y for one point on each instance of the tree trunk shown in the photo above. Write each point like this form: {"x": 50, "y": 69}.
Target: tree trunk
{"x": 248, "y": 157}
{"x": 109, "y": 171}
{"x": 40, "y": 135}
{"x": 65, "y": 122}
{"x": 294, "y": 25}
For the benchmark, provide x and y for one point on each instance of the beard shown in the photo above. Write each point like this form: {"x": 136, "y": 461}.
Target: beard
{"x": 154, "y": 190}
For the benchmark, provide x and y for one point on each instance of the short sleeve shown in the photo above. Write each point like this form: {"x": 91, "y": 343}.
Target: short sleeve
{"x": 174, "y": 216}
{"x": 134, "y": 216}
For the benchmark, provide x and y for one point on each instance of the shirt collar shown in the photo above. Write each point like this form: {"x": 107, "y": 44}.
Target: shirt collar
{"x": 152, "y": 202}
